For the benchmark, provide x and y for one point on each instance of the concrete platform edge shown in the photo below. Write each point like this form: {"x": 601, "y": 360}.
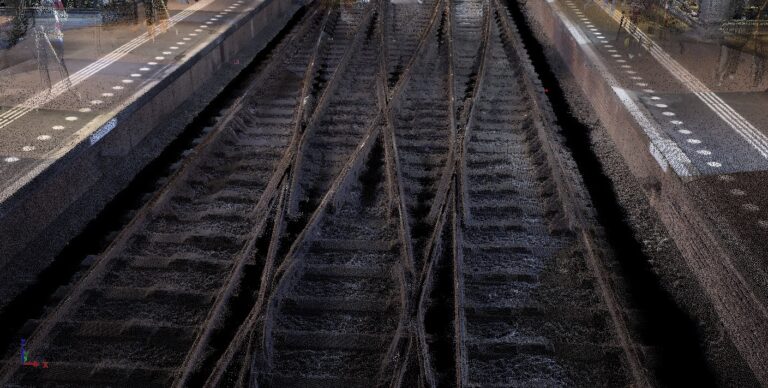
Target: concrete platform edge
{"x": 707, "y": 252}
{"x": 53, "y": 205}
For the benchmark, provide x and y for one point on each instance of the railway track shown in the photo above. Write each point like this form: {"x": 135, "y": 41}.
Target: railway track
{"x": 423, "y": 125}
{"x": 394, "y": 179}
{"x": 338, "y": 303}
{"x": 347, "y": 108}
{"x": 406, "y": 23}
{"x": 339, "y": 311}
{"x": 494, "y": 289}
{"x": 525, "y": 323}
{"x": 149, "y": 300}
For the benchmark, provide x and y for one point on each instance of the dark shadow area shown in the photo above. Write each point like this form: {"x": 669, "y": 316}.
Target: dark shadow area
{"x": 665, "y": 326}
{"x": 372, "y": 174}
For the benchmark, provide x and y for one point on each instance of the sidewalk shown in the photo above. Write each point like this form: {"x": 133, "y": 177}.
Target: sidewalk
{"x": 691, "y": 122}
{"x": 108, "y": 67}
{"x": 67, "y": 150}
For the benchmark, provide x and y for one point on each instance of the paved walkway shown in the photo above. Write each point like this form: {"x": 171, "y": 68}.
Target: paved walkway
{"x": 710, "y": 118}
{"x": 108, "y": 67}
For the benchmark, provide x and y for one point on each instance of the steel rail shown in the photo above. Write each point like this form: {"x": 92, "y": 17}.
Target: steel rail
{"x": 444, "y": 193}
{"x": 225, "y": 360}
{"x": 556, "y": 167}
{"x": 290, "y": 264}
{"x": 321, "y": 106}
{"x": 460, "y": 213}
{"x": 426, "y": 285}
{"x": 405, "y": 74}
{"x": 447, "y": 171}
{"x": 469, "y": 106}
{"x": 270, "y": 268}
{"x": 405, "y": 270}
{"x": 259, "y": 315}
{"x": 234, "y": 279}
{"x": 566, "y": 192}
{"x": 466, "y": 114}
{"x": 408, "y": 272}
{"x": 272, "y": 276}
{"x": 291, "y": 268}
{"x": 161, "y": 198}
{"x": 425, "y": 275}
{"x": 460, "y": 325}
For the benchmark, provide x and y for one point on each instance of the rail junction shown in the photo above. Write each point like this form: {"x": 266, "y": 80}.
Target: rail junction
{"x": 388, "y": 202}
